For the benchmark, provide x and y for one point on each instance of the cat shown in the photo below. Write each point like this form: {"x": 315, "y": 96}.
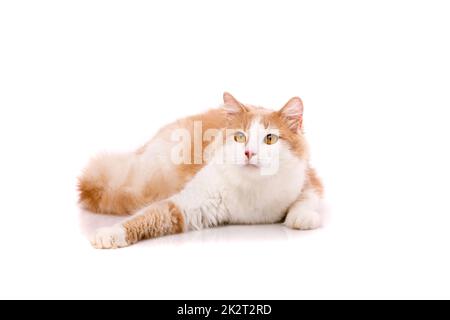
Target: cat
{"x": 236, "y": 164}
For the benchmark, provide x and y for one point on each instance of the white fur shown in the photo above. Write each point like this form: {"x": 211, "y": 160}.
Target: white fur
{"x": 254, "y": 136}
{"x": 110, "y": 238}
{"x": 304, "y": 214}
{"x": 237, "y": 193}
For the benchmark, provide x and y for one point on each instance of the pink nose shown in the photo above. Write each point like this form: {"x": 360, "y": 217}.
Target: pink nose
{"x": 249, "y": 154}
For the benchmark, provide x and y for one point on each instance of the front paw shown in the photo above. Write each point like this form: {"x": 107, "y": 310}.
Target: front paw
{"x": 110, "y": 238}
{"x": 303, "y": 219}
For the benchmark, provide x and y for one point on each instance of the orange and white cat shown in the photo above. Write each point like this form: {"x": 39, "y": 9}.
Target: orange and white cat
{"x": 238, "y": 164}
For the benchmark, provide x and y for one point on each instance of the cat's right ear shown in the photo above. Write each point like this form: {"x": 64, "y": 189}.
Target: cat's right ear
{"x": 232, "y": 105}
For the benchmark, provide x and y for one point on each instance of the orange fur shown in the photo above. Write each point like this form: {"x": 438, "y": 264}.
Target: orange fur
{"x": 94, "y": 197}
{"x": 162, "y": 218}
{"x": 295, "y": 140}
{"x": 315, "y": 182}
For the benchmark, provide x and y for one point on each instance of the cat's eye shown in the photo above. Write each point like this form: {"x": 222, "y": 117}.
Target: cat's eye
{"x": 270, "y": 138}
{"x": 240, "y": 137}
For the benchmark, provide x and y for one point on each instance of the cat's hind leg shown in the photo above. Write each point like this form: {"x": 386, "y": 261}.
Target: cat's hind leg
{"x": 195, "y": 207}
{"x": 109, "y": 185}
{"x": 121, "y": 184}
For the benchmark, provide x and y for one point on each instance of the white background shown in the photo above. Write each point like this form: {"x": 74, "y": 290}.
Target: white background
{"x": 79, "y": 77}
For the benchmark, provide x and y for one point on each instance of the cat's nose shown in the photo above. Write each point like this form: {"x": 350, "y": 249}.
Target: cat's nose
{"x": 249, "y": 154}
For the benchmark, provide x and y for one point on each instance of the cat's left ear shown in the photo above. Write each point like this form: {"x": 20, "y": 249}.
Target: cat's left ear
{"x": 292, "y": 114}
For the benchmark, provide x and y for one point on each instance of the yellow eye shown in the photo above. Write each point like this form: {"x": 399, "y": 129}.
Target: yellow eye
{"x": 271, "y": 138}
{"x": 240, "y": 137}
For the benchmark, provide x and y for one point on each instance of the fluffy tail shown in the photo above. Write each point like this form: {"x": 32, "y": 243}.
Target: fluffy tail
{"x": 109, "y": 185}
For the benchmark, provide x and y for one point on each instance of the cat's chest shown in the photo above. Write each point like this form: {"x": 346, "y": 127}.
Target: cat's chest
{"x": 213, "y": 197}
{"x": 264, "y": 202}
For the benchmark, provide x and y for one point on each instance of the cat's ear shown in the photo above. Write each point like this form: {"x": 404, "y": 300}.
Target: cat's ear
{"x": 232, "y": 105}
{"x": 292, "y": 114}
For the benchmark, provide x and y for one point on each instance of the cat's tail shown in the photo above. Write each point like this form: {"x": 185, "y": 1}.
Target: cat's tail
{"x": 108, "y": 185}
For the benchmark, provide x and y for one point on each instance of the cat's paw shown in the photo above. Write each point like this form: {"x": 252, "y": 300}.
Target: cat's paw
{"x": 110, "y": 238}
{"x": 303, "y": 219}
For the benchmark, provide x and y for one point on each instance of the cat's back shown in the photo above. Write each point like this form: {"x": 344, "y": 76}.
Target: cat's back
{"x": 175, "y": 154}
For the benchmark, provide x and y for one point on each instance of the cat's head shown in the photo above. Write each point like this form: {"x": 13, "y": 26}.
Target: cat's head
{"x": 262, "y": 141}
